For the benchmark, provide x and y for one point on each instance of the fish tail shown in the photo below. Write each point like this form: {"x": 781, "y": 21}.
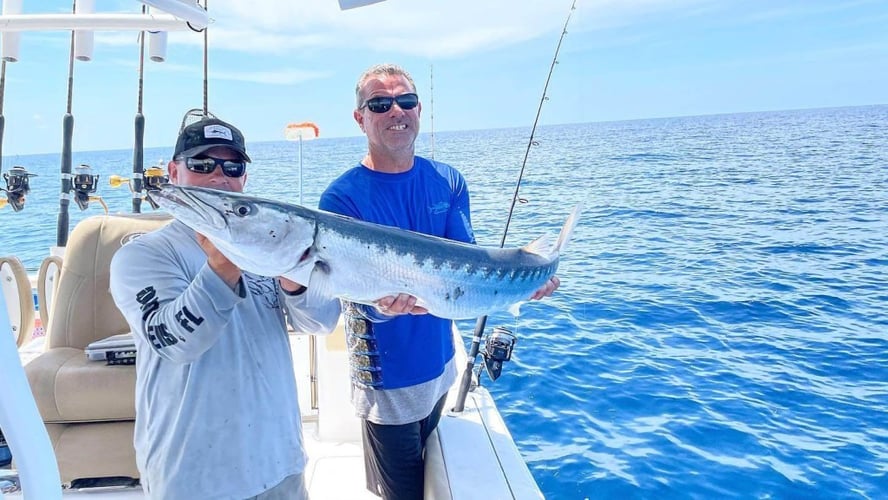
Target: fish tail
{"x": 568, "y": 228}
{"x": 543, "y": 245}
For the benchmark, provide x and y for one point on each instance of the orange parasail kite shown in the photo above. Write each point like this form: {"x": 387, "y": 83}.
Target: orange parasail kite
{"x": 301, "y": 131}
{"x": 304, "y": 131}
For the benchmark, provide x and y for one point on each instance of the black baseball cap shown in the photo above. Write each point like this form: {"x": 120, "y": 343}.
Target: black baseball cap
{"x": 207, "y": 134}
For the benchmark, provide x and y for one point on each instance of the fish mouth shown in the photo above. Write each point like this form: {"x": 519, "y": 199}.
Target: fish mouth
{"x": 189, "y": 208}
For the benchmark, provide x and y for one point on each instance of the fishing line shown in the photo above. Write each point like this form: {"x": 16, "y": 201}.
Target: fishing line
{"x": 466, "y": 380}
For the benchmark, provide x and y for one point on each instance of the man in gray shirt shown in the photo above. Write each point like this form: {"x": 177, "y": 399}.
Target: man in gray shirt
{"x": 217, "y": 414}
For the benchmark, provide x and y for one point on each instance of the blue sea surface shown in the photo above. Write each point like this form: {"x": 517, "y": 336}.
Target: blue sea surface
{"x": 722, "y": 326}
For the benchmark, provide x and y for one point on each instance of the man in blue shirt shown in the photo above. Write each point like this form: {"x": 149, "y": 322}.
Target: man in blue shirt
{"x": 401, "y": 358}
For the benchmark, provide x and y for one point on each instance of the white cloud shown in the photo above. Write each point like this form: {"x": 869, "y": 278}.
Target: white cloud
{"x": 802, "y": 10}
{"x": 425, "y": 28}
{"x": 281, "y": 77}
{"x": 277, "y": 77}
{"x": 428, "y": 28}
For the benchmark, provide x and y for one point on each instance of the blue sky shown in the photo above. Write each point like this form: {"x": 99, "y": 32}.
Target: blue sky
{"x": 278, "y": 61}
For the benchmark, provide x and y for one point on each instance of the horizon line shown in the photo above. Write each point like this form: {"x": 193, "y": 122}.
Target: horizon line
{"x": 622, "y": 120}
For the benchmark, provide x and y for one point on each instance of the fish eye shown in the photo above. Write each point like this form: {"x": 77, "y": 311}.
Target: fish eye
{"x": 243, "y": 209}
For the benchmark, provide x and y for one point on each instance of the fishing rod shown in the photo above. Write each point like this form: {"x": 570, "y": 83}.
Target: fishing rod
{"x": 139, "y": 128}
{"x": 206, "y": 63}
{"x": 17, "y": 178}
{"x": 143, "y": 179}
{"x": 197, "y": 114}
{"x": 2, "y": 118}
{"x": 67, "y": 138}
{"x": 499, "y": 345}
{"x": 432, "y": 103}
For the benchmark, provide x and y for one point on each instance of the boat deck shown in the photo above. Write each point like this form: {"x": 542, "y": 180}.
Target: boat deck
{"x": 470, "y": 453}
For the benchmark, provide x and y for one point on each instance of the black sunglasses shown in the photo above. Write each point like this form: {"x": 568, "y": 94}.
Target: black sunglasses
{"x": 382, "y": 104}
{"x": 230, "y": 168}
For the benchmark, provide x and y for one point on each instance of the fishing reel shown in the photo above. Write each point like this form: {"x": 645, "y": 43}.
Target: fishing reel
{"x": 497, "y": 350}
{"x": 84, "y": 184}
{"x": 18, "y": 184}
{"x": 152, "y": 179}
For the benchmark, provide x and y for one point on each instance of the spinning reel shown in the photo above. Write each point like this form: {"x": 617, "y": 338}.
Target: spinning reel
{"x": 497, "y": 350}
{"x": 152, "y": 179}
{"x": 84, "y": 184}
{"x": 18, "y": 184}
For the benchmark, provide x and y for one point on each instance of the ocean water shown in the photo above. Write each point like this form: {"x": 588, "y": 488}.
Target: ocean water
{"x": 722, "y": 326}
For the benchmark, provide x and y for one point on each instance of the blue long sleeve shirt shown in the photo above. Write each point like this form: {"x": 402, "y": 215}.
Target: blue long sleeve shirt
{"x": 409, "y": 351}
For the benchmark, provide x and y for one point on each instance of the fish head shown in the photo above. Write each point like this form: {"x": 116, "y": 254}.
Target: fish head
{"x": 260, "y": 236}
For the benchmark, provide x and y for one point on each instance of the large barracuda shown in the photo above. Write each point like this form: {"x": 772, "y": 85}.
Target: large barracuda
{"x": 339, "y": 256}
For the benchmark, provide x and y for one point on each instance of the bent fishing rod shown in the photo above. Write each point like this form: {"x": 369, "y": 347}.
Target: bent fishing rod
{"x": 466, "y": 381}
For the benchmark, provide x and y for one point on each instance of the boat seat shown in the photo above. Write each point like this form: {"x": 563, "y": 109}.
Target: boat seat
{"x": 47, "y": 284}
{"x": 88, "y": 406}
{"x": 19, "y": 298}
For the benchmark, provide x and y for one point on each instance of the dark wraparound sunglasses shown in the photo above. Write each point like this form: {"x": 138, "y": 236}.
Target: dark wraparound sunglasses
{"x": 230, "y": 168}
{"x": 382, "y": 104}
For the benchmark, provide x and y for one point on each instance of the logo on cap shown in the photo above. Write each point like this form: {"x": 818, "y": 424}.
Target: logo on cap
{"x": 216, "y": 131}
